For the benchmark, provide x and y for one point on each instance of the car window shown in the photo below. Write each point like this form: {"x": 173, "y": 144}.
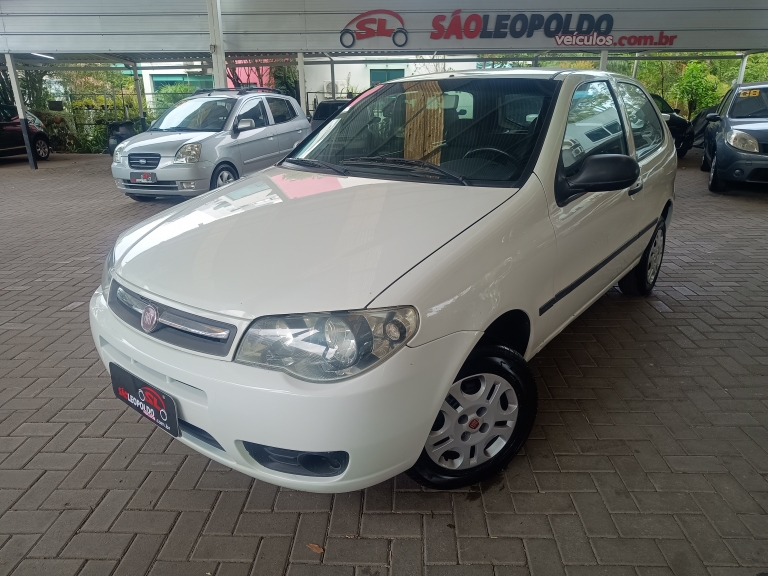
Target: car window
{"x": 281, "y": 110}
{"x": 254, "y": 109}
{"x": 724, "y": 102}
{"x": 662, "y": 104}
{"x": 479, "y": 129}
{"x": 594, "y": 126}
{"x": 750, "y": 103}
{"x": 647, "y": 131}
{"x": 196, "y": 114}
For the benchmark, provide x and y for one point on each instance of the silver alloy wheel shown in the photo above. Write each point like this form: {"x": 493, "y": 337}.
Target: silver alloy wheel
{"x": 475, "y": 422}
{"x": 41, "y": 147}
{"x": 712, "y": 170}
{"x": 654, "y": 256}
{"x": 224, "y": 177}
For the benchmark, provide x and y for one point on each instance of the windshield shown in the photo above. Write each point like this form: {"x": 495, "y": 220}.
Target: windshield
{"x": 455, "y": 130}
{"x": 750, "y": 103}
{"x": 196, "y": 115}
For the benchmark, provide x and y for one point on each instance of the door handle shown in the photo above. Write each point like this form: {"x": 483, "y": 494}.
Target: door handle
{"x": 636, "y": 188}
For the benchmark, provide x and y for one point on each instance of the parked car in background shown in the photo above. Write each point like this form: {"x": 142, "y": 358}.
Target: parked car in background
{"x": 325, "y": 110}
{"x": 207, "y": 140}
{"x": 736, "y": 138}
{"x": 681, "y": 128}
{"x": 368, "y": 305}
{"x": 12, "y": 139}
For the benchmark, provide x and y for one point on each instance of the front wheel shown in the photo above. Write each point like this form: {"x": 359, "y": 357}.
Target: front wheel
{"x": 642, "y": 278}
{"x": 224, "y": 174}
{"x": 42, "y": 149}
{"x": 704, "y": 163}
{"x": 483, "y": 422}
{"x": 715, "y": 184}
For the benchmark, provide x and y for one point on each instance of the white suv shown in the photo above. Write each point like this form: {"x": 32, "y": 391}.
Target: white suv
{"x": 367, "y": 307}
{"x": 210, "y": 139}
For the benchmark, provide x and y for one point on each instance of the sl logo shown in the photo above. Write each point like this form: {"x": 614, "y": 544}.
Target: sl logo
{"x": 375, "y": 23}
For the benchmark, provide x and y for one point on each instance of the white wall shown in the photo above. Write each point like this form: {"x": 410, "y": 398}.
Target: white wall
{"x": 358, "y": 76}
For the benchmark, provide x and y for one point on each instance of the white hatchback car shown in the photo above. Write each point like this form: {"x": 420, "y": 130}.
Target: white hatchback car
{"x": 367, "y": 307}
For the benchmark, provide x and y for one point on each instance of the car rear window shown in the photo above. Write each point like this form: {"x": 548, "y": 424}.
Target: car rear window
{"x": 327, "y": 109}
{"x": 750, "y": 103}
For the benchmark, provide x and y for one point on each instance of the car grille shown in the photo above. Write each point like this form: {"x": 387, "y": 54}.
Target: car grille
{"x": 143, "y": 161}
{"x": 173, "y": 326}
{"x": 758, "y": 175}
{"x": 160, "y": 185}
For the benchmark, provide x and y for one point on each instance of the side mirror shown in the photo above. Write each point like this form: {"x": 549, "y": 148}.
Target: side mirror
{"x": 152, "y": 123}
{"x": 605, "y": 172}
{"x": 665, "y": 117}
{"x": 676, "y": 110}
{"x": 245, "y": 124}
{"x": 713, "y": 117}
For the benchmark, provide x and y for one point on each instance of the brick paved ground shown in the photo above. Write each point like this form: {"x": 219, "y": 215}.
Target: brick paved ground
{"x": 649, "y": 456}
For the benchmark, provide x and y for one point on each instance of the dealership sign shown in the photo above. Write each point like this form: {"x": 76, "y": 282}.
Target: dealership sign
{"x": 567, "y": 30}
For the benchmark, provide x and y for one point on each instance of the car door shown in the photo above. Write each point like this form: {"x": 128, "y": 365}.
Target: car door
{"x": 596, "y": 232}
{"x": 258, "y": 146}
{"x": 289, "y": 126}
{"x": 714, "y": 130}
{"x": 648, "y": 136}
{"x": 11, "y": 138}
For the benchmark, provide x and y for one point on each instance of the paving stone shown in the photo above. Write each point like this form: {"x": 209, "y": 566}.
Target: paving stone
{"x": 707, "y": 543}
{"x": 144, "y": 522}
{"x": 226, "y": 548}
{"x": 647, "y": 526}
{"x": 394, "y": 525}
{"x": 358, "y": 551}
{"x": 628, "y": 552}
{"x": 97, "y": 546}
{"x": 491, "y": 551}
{"x": 571, "y": 540}
{"x": 267, "y": 524}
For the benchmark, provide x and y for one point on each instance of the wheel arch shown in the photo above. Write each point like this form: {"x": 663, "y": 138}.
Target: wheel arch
{"x": 512, "y": 329}
{"x": 221, "y": 163}
{"x": 667, "y": 213}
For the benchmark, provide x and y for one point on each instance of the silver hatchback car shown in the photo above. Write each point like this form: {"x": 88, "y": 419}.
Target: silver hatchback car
{"x": 208, "y": 140}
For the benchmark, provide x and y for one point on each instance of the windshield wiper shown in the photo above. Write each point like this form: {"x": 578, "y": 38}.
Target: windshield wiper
{"x": 405, "y": 162}
{"x": 312, "y": 163}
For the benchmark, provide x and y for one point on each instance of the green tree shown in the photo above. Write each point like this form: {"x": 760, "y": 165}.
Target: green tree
{"x": 697, "y": 87}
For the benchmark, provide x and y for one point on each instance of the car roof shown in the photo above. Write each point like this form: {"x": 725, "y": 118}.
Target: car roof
{"x": 527, "y": 73}
{"x": 753, "y": 85}
{"x": 237, "y": 92}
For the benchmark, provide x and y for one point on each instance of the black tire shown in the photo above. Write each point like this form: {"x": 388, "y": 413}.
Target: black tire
{"x": 715, "y": 184}
{"x": 681, "y": 152}
{"x": 637, "y": 282}
{"x": 42, "y": 148}
{"x": 222, "y": 169}
{"x": 704, "y": 162}
{"x": 141, "y": 197}
{"x": 500, "y": 361}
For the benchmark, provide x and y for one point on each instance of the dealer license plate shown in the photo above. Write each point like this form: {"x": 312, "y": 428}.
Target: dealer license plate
{"x": 143, "y": 177}
{"x": 147, "y": 400}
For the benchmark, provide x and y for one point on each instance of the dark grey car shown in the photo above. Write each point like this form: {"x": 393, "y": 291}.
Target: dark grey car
{"x": 736, "y": 138}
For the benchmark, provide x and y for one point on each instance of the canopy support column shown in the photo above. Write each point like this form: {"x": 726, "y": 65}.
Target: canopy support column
{"x": 742, "y": 68}
{"x": 218, "y": 54}
{"x": 139, "y": 99}
{"x": 603, "y": 59}
{"x": 333, "y": 77}
{"x": 21, "y": 110}
{"x": 634, "y": 67}
{"x": 302, "y": 83}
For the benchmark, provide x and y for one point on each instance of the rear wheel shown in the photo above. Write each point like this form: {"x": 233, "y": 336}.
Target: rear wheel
{"x": 715, "y": 183}
{"x": 141, "y": 197}
{"x": 484, "y": 421}
{"x": 642, "y": 278}
{"x": 42, "y": 149}
{"x": 224, "y": 174}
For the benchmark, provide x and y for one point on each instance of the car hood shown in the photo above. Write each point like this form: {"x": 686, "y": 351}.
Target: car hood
{"x": 284, "y": 241}
{"x": 163, "y": 143}
{"x": 757, "y": 127}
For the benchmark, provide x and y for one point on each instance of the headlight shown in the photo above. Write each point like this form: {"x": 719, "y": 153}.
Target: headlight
{"x": 328, "y": 346}
{"x": 742, "y": 141}
{"x": 106, "y": 274}
{"x": 188, "y": 153}
{"x": 118, "y": 157}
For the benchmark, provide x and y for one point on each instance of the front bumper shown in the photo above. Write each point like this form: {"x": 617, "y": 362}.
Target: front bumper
{"x": 380, "y": 418}
{"x": 170, "y": 177}
{"x": 736, "y": 166}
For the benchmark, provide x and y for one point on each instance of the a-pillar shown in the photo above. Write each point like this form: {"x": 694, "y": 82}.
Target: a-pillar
{"x": 218, "y": 53}
{"x": 21, "y": 110}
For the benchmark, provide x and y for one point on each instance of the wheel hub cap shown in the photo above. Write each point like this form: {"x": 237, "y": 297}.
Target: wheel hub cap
{"x": 654, "y": 257}
{"x": 475, "y": 422}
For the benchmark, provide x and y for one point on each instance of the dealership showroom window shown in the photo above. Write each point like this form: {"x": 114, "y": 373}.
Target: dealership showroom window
{"x": 403, "y": 289}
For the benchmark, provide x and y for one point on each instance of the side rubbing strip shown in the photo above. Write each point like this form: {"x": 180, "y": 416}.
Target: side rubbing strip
{"x": 579, "y": 281}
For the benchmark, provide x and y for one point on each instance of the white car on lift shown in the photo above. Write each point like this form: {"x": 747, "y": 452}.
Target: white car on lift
{"x": 367, "y": 307}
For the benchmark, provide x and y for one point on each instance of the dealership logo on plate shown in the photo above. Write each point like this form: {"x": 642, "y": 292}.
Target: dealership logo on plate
{"x": 381, "y": 23}
{"x": 149, "y": 318}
